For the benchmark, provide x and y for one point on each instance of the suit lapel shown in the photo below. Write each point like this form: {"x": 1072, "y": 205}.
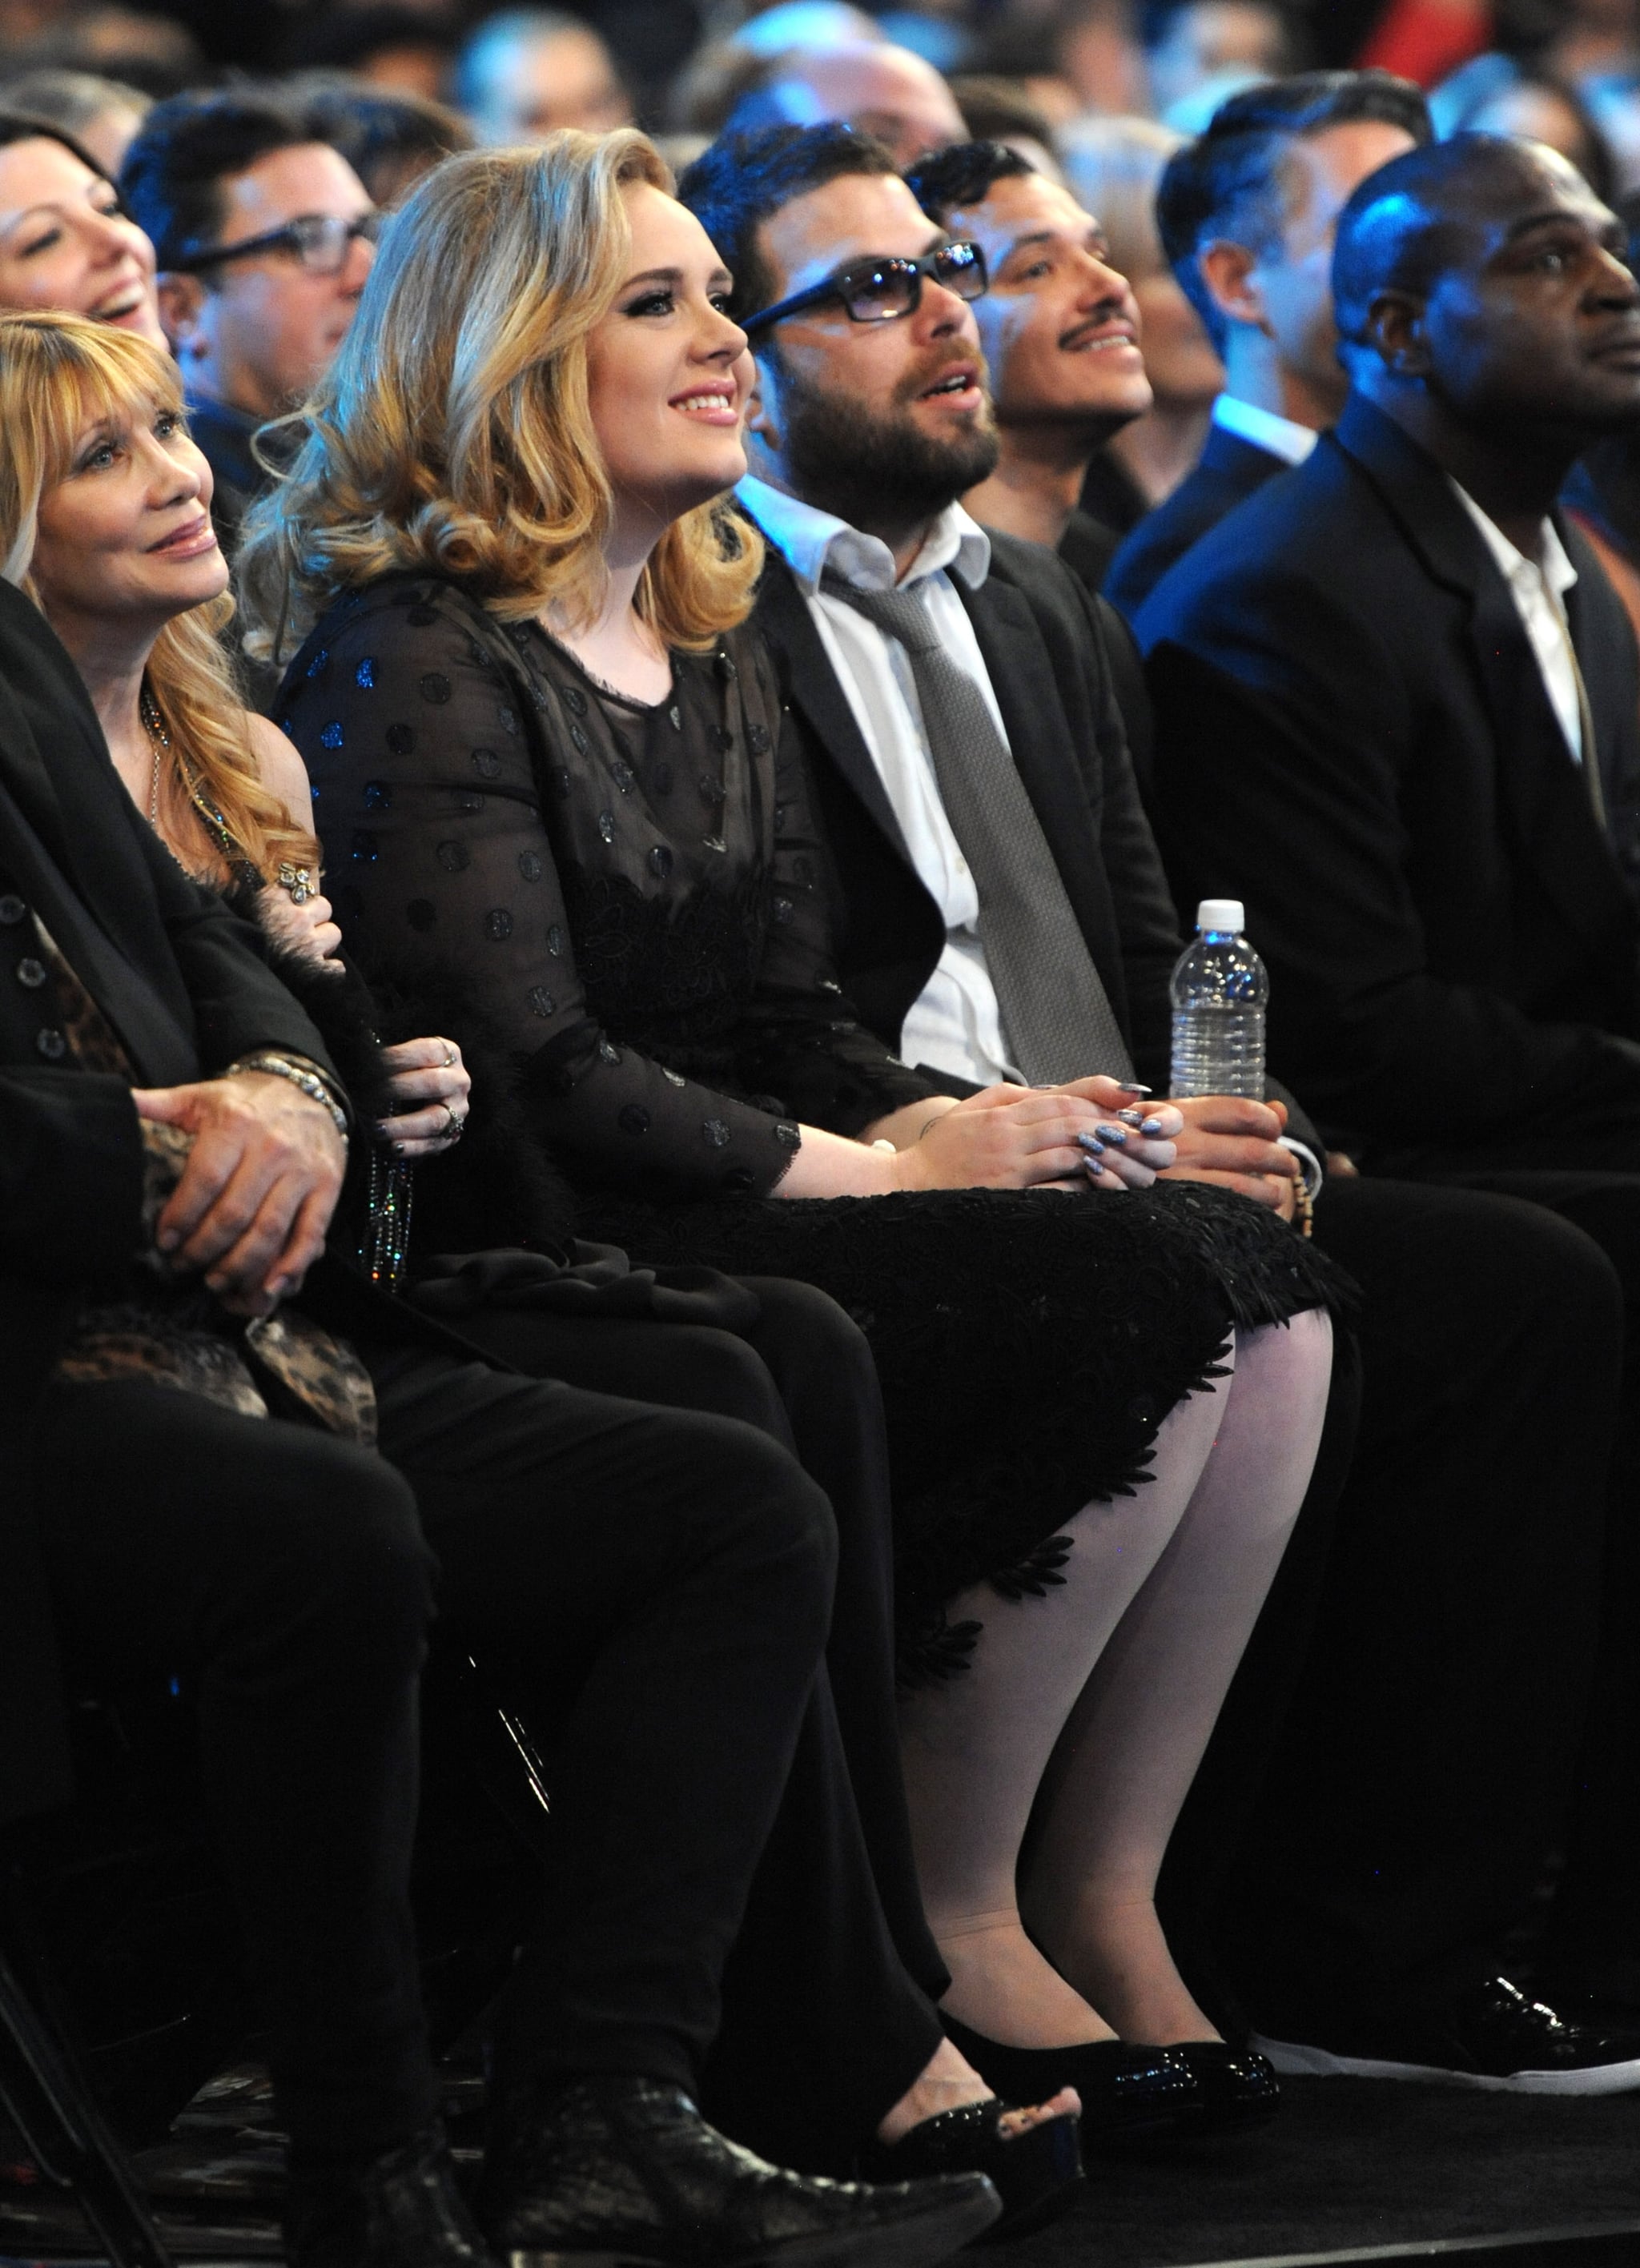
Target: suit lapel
{"x": 812, "y": 683}
{"x": 1541, "y": 787}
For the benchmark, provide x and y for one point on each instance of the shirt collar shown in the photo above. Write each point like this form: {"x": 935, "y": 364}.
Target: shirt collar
{"x": 810, "y": 541}
{"x": 1276, "y": 435}
{"x": 1552, "y": 566}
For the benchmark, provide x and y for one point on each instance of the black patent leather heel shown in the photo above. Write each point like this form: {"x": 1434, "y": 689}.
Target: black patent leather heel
{"x": 1036, "y": 2172}
{"x": 1239, "y": 2086}
{"x": 1126, "y": 2092}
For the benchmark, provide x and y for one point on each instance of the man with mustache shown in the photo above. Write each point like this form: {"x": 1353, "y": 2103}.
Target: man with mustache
{"x": 1454, "y": 1701}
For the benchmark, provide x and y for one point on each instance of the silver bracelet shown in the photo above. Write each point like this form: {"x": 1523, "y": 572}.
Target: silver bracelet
{"x": 310, "y": 1082}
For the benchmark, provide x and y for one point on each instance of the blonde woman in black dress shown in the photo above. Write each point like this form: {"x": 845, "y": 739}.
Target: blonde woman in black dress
{"x": 548, "y": 770}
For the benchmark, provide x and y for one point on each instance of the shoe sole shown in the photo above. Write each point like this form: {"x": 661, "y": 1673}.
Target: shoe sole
{"x": 918, "y": 2242}
{"x": 1295, "y": 2062}
{"x": 1031, "y": 2217}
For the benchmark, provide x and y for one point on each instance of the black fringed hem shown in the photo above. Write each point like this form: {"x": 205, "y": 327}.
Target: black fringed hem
{"x": 1028, "y": 1343}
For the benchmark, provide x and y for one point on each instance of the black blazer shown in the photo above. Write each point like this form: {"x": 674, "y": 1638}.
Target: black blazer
{"x": 183, "y": 982}
{"x": 1045, "y": 653}
{"x": 1230, "y": 471}
{"x": 1352, "y": 734}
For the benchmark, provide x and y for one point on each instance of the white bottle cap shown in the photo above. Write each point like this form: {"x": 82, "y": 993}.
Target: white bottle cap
{"x": 1221, "y": 914}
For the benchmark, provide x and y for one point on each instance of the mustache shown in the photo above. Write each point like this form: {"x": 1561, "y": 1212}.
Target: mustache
{"x": 1108, "y": 311}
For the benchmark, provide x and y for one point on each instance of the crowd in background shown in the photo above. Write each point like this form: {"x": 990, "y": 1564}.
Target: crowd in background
{"x": 1097, "y": 92}
{"x": 647, "y": 550}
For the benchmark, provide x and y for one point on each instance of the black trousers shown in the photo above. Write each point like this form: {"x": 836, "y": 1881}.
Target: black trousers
{"x": 827, "y": 2012}
{"x": 1593, "y": 1935}
{"x": 656, "y": 1585}
{"x": 1426, "y": 1762}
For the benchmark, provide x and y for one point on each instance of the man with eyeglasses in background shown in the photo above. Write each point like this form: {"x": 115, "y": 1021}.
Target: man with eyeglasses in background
{"x": 264, "y": 235}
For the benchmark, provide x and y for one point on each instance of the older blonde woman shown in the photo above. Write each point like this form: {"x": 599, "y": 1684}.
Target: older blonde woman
{"x": 551, "y": 765}
{"x": 105, "y": 522}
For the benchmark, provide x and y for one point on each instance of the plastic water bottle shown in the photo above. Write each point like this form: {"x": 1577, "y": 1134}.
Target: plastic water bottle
{"x": 1221, "y": 990}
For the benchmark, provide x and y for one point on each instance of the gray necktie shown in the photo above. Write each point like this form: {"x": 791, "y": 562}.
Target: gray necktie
{"x": 1056, "y": 1012}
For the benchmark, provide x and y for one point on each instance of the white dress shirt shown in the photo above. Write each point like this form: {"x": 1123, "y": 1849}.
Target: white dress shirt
{"x": 956, "y": 1024}
{"x": 1279, "y": 437}
{"x": 1538, "y": 590}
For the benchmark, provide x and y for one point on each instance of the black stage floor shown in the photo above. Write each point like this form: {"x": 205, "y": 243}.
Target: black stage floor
{"x": 1355, "y": 2163}
{"x": 1350, "y": 2171}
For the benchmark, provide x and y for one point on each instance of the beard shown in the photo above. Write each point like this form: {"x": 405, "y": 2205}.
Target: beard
{"x": 867, "y": 465}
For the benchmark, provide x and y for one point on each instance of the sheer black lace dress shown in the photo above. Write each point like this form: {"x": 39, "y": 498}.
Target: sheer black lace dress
{"x": 630, "y": 901}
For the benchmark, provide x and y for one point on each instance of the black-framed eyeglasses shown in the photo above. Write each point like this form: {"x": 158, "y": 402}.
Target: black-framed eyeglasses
{"x": 883, "y": 290}
{"x": 320, "y": 241}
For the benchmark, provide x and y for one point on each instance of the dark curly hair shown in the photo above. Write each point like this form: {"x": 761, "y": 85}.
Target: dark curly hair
{"x": 185, "y": 150}
{"x": 962, "y": 174}
{"x": 744, "y": 179}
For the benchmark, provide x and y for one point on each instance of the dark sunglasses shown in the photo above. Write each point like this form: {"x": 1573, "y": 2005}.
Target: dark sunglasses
{"x": 883, "y": 290}
{"x": 320, "y": 241}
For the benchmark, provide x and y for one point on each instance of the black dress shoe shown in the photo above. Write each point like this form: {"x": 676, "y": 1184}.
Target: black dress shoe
{"x": 613, "y": 2168}
{"x": 399, "y": 2210}
{"x": 1238, "y": 2085}
{"x": 1126, "y": 2092}
{"x": 1036, "y": 2172}
{"x": 1492, "y": 2036}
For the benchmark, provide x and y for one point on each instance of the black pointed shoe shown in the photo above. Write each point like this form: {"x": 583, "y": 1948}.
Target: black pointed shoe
{"x": 1036, "y": 2172}
{"x": 614, "y": 2169}
{"x": 1129, "y": 2091}
{"x": 1491, "y": 2036}
{"x": 1238, "y": 2085}
{"x": 399, "y": 2210}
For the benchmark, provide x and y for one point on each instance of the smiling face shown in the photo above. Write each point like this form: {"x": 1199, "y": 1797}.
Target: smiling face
{"x": 125, "y": 536}
{"x": 668, "y": 372}
{"x": 868, "y": 420}
{"x": 1535, "y": 322}
{"x": 1058, "y": 326}
{"x": 259, "y": 333}
{"x": 65, "y": 244}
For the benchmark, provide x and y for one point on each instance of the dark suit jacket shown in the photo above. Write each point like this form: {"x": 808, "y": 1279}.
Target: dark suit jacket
{"x": 183, "y": 982}
{"x": 1045, "y": 653}
{"x": 1352, "y": 735}
{"x": 1230, "y": 470}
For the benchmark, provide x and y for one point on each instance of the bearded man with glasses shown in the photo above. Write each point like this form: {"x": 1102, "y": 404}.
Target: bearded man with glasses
{"x": 264, "y": 235}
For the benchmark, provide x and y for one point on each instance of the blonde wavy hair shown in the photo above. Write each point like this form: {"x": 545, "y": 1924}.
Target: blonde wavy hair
{"x": 453, "y": 433}
{"x": 58, "y": 373}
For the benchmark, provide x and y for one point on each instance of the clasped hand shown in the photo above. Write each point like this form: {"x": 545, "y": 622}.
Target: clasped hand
{"x": 255, "y": 1197}
{"x": 1093, "y": 1132}
{"x": 1229, "y": 1140}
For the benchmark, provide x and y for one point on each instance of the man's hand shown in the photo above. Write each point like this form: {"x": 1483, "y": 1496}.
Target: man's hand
{"x": 259, "y": 1188}
{"x": 1233, "y": 1142}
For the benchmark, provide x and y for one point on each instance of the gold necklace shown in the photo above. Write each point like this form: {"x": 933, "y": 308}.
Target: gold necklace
{"x": 153, "y": 724}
